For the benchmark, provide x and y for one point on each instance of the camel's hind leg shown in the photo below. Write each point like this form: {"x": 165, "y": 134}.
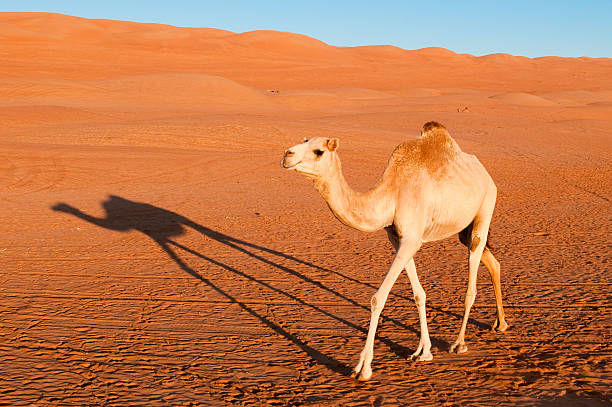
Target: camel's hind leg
{"x": 480, "y": 230}
{"x": 492, "y": 265}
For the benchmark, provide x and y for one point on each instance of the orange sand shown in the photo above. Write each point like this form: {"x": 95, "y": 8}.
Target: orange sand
{"x": 154, "y": 252}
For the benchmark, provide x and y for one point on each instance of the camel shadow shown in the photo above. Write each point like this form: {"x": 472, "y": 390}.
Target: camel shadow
{"x": 164, "y": 226}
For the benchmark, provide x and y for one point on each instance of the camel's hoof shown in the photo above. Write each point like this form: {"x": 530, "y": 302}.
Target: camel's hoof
{"x": 363, "y": 376}
{"x": 425, "y": 357}
{"x": 458, "y": 348}
{"x": 421, "y": 358}
{"x": 499, "y": 327}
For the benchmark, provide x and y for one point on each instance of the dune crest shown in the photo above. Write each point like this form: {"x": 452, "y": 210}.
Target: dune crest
{"x": 435, "y": 52}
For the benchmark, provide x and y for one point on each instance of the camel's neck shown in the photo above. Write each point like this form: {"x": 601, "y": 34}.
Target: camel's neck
{"x": 367, "y": 211}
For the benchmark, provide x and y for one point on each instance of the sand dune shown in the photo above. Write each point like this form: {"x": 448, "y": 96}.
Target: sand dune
{"x": 183, "y": 89}
{"x": 360, "y": 93}
{"x": 505, "y": 59}
{"x": 418, "y": 92}
{"x": 169, "y": 89}
{"x": 522, "y": 99}
{"x": 154, "y": 252}
{"x": 379, "y": 51}
{"x": 606, "y": 104}
{"x": 327, "y": 98}
{"x": 116, "y": 48}
{"x": 580, "y": 97}
{"x": 277, "y": 41}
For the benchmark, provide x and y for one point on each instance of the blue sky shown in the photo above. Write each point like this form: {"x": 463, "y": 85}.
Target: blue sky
{"x": 530, "y": 28}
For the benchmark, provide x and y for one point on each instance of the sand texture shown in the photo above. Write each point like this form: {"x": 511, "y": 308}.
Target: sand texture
{"x": 153, "y": 252}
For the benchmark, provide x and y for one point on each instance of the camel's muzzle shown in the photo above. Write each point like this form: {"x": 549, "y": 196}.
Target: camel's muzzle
{"x": 286, "y": 160}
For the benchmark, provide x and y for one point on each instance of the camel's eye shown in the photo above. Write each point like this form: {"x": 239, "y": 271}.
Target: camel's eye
{"x": 318, "y": 153}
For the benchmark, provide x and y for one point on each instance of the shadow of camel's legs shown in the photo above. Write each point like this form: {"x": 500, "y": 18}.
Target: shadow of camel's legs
{"x": 442, "y": 345}
{"x": 331, "y": 363}
{"x": 236, "y": 243}
{"x": 398, "y": 349}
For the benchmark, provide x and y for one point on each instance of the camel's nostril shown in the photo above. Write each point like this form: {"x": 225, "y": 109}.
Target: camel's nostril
{"x": 286, "y": 156}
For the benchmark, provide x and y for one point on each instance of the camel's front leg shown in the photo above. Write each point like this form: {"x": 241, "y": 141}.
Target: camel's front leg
{"x": 363, "y": 370}
{"x": 423, "y": 351}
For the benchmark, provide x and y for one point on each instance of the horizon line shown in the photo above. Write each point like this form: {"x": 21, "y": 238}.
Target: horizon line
{"x": 308, "y": 36}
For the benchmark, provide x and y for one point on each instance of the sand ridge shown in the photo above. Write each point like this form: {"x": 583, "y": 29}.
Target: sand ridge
{"x": 154, "y": 252}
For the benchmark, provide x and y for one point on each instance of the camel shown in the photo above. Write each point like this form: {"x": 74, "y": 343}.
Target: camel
{"x": 429, "y": 191}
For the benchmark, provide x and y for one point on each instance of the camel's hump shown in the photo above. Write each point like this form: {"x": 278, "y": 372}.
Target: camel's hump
{"x": 431, "y": 150}
{"x": 433, "y": 126}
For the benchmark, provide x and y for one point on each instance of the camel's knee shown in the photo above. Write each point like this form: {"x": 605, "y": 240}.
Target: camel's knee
{"x": 377, "y": 303}
{"x": 496, "y": 264}
{"x": 490, "y": 261}
{"x": 475, "y": 243}
{"x": 495, "y": 267}
{"x": 470, "y": 296}
{"x": 374, "y": 303}
{"x": 478, "y": 242}
{"x": 420, "y": 297}
{"x": 419, "y": 300}
{"x": 491, "y": 264}
{"x": 494, "y": 272}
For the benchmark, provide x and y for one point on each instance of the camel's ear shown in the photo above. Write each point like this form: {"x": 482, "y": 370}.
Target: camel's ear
{"x": 332, "y": 144}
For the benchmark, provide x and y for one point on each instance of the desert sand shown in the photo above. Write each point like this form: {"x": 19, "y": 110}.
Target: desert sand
{"x": 154, "y": 252}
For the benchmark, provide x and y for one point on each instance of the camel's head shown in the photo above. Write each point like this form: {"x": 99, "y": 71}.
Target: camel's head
{"x": 312, "y": 158}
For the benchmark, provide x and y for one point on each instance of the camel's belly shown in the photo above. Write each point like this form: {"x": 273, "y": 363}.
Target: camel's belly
{"x": 439, "y": 232}
{"x": 446, "y": 227}
{"x": 453, "y": 207}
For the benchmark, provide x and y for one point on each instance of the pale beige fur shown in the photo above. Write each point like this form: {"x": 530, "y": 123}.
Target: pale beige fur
{"x": 430, "y": 190}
